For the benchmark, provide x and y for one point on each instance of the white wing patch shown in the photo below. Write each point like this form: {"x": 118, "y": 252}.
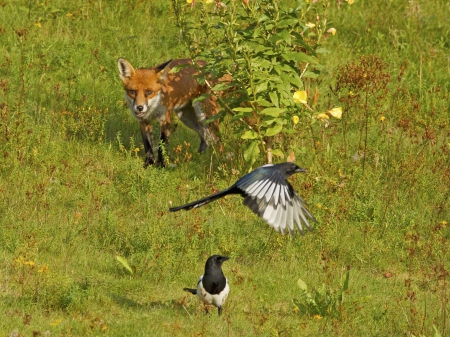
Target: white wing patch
{"x": 271, "y": 199}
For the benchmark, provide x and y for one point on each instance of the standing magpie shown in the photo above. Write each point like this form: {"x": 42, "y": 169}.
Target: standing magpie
{"x": 212, "y": 286}
{"x": 267, "y": 193}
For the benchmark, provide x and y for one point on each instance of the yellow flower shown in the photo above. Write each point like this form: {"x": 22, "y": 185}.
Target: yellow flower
{"x": 30, "y": 263}
{"x": 350, "y": 2}
{"x": 38, "y": 24}
{"x": 209, "y": 1}
{"x": 295, "y": 120}
{"x": 310, "y": 25}
{"x": 318, "y": 317}
{"x": 332, "y": 31}
{"x": 322, "y": 116}
{"x": 189, "y": 1}
{"x": 43, "y": 269}
{"x": 300, "y": 96}
{"x": 382, "y": 118}
{"x": 336, "y": 112}
{"x": 69, "y": 15}
{"x": 56, "y": 322}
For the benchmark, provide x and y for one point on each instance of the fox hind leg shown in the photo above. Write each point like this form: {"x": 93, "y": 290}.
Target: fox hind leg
{"x": 193, "y": 118}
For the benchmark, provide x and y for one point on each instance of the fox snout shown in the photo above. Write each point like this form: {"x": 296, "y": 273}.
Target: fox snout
{"x": 140, "y": 109}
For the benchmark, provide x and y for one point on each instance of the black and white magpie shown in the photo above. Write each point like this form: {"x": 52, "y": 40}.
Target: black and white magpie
{"x": 267, "y": 193}
{"x": 212, "y": 286}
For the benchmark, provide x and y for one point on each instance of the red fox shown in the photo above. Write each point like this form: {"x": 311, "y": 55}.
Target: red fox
{"x": 153, "y": 93}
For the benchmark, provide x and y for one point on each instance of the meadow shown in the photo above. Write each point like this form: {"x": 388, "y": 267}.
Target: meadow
{"x": 75, "y": 194}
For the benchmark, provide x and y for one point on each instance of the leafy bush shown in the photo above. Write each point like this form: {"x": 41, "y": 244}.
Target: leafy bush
{"x": 270, "y": 49}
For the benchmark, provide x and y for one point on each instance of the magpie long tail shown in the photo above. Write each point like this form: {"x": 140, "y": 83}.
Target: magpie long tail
{"x": 206, "y": 200}
{"x": 192, "y": 291}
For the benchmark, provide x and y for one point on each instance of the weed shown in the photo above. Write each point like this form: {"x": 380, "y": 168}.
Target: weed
{"x": 322, "y": 302}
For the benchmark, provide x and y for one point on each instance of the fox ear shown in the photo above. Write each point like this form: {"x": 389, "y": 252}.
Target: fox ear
{"x": 162, "y": 65}
{"x": 126, "y": 70}
{"x": 162, "y": 70}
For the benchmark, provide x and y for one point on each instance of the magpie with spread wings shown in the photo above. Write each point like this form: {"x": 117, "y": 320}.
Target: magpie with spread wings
{"x": 269, "y": 195}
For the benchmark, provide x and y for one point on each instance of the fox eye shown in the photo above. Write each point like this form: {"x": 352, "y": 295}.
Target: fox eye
{"x": 132, "y": 92}
{"x": 148, "y": 92}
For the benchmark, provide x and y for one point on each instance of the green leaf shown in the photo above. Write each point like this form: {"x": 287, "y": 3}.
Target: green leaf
{"x": 302, "y": 285}
{"x": 265, "y": 64}
{"x": 281, "y": 36}
{"x": 213, "y": 118}
{"x": 241, "y": 109}
{"x": 221, "y": 87}
{"x": 263, "y": 102}
{"x": 273, "y": 130}
{"x": 261, "y": 87}
{"x": 286, "y": 80}
{"x": 250, "y": 134}
{"x": 278, "y": 153}
{"x": 177, "y": 68}
{"x": 124, "y": 263}
{"x": 259, "y": 48}
{"x": 200, "y": 98}
{"x": 269, "y": 120}
{"x": 263, "y": 18}
{"x": 436, "y": 332}
{"x": 344, "y": 280}
{"x": 257, "y": 32}
{"x": 274, "y": 112}
{"x": 251, "y": 153}
{"x": 274, "y": 98}
{"x": 296, "y": 81}
{"x": 287, "y": 22}
{"x": 299, "y": 57}
{"x": 310, "y": 74}
{"x": 241, "y": 115}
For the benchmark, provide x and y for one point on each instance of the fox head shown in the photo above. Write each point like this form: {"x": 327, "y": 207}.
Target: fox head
{"x": 142, "y": 87}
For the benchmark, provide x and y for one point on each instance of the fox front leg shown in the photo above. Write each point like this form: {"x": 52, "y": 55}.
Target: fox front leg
{"x": 147, "y": 136}
{"x": 163, "y": 140}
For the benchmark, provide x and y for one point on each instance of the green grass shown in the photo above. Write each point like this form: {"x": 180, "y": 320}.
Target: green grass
{"x": 75, "y": 195}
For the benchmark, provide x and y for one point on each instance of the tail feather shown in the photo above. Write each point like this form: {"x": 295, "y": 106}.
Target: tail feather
{"x": 206, "y": 200}
{"x": 192, "y": 291}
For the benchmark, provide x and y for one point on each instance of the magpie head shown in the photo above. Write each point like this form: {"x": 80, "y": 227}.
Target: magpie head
{"x": 292, "y": 168}
{"x": 215, "y": 261}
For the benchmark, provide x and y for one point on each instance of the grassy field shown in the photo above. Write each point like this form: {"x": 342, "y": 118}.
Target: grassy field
{"x": 75, "y": 194}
